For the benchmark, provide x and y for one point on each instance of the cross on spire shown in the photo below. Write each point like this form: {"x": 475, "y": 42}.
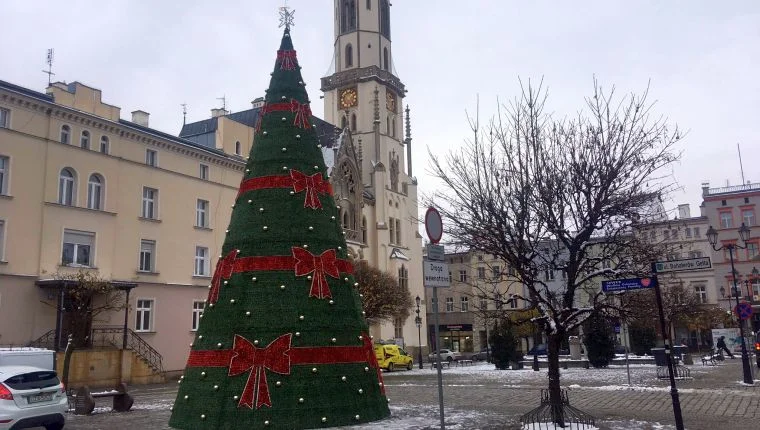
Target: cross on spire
{"x": 286, "y": 16}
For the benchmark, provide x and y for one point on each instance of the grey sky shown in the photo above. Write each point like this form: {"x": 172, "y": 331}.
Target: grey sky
{"x": 702, "y": 58}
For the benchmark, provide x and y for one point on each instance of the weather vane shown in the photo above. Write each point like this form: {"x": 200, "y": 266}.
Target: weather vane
{"x": 286, "y": 16}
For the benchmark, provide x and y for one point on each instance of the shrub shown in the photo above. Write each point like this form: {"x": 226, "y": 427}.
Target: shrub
{"x": 599, "y": 338}
{"x": 503, "y": 344}
{"x": 643, "y": 338}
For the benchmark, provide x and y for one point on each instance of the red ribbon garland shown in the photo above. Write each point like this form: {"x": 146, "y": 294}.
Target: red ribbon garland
{"x": 278, "y": 357}
{"x": 302, "y": 262}
{"x": 302, "y": 111}
{"x": 288, "y": 59}
{"x": 314, "y": 185}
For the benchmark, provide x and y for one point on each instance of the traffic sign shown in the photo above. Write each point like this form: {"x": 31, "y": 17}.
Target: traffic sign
{"x": 435, "y": 252}
{"x": 433, "y": 225}
{"x": 435, "y": 274}
{"x": 683, "y": 265}
{"x": 743, "y": 310}
{"x": 627, "y": 284}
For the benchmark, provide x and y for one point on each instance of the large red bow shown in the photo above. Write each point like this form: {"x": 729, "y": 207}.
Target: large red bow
{"x": 274, "y": 357}
{"x": 223, "y": 271}
{"x": 303, "y": 113}
{"x": 288, "y": 58}
{"x": 313, "y": 185}
{"x": 319, "y": 265}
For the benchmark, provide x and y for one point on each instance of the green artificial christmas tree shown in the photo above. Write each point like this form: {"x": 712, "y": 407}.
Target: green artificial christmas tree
{"x": 282, "y": 342}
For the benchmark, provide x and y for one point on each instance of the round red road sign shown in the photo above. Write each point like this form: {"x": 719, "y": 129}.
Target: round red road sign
{"x": 433, "y": 225}
{"x": 743, "y": 310}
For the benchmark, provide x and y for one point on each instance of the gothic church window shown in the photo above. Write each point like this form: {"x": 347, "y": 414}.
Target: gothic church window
{"x": 353, "y": 122}
{"x": 348, "y": 16}
{"x": 385, "y": 58}
{"x": 364, "y": 229}
{"x": 343, "y": 122}
{"x": 385, "y": 19}
{"x": 369, "y": 4}
{"x": 349, "y": 56}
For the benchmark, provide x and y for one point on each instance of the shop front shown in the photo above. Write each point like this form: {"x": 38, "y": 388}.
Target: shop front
{"x": 456, "y": 337}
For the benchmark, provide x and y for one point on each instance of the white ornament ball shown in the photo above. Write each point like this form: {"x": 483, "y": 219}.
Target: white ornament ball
{"x": 284, "y": 149}
{"x": 343, "y": 378}
{"x": 301, "y": 317}
{"x": 186, "y": 397}
{"x": 278, "y": 383}
{"x": 313, "y": 370}
{"x": 219, "y": 345}
{"x": 203, "y": 417}
{"x": 361, "y": 391}
{"x": 357, "y": 418}
{"x": 265, "y": 228}
{"x": 298, "y": 136}
{"x": 284, "y": 119}
{"x": 324, "y": 419}
{"x": 334, "y": 340}
{"x": 253, "y": 279}
{"x": 300, "y": 400}
{"x": 265, "y": 133}
{"x": 232, "y": 301}
{"x": 216, "y": 387}
{"x": 298, "y": 334}
{"x": 282, "y": 287}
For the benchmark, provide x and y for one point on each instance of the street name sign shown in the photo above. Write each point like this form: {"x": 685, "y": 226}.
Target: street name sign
{"x": 435, "y": 274}
{"x": 627, "y": 284}
{"x": 683, "y": 265}
{"x": 435, "y": 252}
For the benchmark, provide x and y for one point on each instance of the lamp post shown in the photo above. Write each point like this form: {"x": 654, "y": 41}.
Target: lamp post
{"x": 712, "y": 237}
{"x": 418, "y": 322}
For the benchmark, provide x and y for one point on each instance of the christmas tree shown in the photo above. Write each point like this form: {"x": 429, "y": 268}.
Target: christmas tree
{"x": 282, "y": 342}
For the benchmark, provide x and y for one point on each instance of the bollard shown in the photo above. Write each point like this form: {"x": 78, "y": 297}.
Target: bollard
{"x": 535, "y": 362}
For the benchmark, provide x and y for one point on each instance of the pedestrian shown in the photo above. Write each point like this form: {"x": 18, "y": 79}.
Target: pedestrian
{"x": 721, "y": 345}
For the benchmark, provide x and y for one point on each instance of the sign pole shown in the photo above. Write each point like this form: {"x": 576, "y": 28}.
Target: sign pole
{"x": 668, "y": 355}
{"x": 438, "y": 356}
{"x": 435, "y": 275}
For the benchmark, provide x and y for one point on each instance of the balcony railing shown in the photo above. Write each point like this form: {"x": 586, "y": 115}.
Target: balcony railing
{"x": 733, "y": 189}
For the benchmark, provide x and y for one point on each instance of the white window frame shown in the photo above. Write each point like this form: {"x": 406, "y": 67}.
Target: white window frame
{"x": 496, "y": 272}
{"x": 84, "y": 139}
{"x": 512, "y": 301}
{"x": 149, "y": 209}
{"x": 77, "y": 247}
{"x": 151, "y": 157}
{"x": 398, "y": 327}
{"x": 5, "y": 118}
{"x": 3, "y": 225}
{"x": 142, "y": 306}
{"x": 67, "y": 187}
{"x": 753, "y": 250}
{"x": 728, "y": 217}
{"x": 95, "y": 192}
{"x": 65, "y": 135}
{"x": 483, "y": 303}
{"x": 464, "y": 304}
{"x": 449, "y": 304}
{"x": 198, "y": 307}
{"x": 147, "y": 260}
{"x": 701, "y": 291}
{"x": 201, "y": 213}
{"x": 549, "y": 275}
{"x": 481, "y": 272}
{"x": 105, "y": 145}
{"x": 462, "y": 275}
{"x": 749, "y": 221}
{"x": 201, "y": 262}
{"x": 203, "y": 171}
{"x": 5, "y": 176}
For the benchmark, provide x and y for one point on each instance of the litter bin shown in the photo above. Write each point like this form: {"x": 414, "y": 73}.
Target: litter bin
{"x": 660, "y": 358}
{"x": 678, "y": 352}
{"x": 575, "y": 347}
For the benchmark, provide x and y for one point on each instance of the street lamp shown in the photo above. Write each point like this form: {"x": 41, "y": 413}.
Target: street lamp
{"x": 712, "y": 237}
{"x": 418, "y": 322}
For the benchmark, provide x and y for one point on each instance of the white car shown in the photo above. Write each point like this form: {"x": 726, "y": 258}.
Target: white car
{"x": 31, "y": 397}
{"x": 446, "y": 355}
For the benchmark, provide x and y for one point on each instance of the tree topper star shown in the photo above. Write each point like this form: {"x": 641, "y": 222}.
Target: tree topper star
{"x": 286, "y": 17}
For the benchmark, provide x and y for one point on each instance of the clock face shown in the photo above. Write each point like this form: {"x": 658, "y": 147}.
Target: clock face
{"x": 390, "y": 101}
{"x": 348, "y": 98}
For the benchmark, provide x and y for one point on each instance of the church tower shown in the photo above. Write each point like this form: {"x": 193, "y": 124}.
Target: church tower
{"x": 363, "y": 95}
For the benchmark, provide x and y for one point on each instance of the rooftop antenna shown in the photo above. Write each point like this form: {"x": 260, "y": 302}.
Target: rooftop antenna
{"x": 184, "y": 113}
{"x": 741, "y": 166}
{"x": 224, "y": 101}
{"x": 49, "y": 61}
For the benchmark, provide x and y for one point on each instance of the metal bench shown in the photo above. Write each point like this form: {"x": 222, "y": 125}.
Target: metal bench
{"x": 464, "y": 362}
{"x": 446, "y": 363}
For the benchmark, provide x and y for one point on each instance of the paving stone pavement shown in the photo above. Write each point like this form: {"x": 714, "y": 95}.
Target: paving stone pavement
{"x": 713, "y": 398}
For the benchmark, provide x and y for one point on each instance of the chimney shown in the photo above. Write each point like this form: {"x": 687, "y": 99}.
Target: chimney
{"x": 684, "y": 211}
{"x": 258, "y": 102}
{"x": 140, "y": 118}
{"x": 216, "y": 112}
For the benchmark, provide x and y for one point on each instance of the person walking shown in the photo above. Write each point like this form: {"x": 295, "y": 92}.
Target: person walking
{"x": 721, "y": 345}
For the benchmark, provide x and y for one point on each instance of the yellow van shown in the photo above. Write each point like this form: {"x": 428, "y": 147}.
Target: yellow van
{"x": 391, "y": 357}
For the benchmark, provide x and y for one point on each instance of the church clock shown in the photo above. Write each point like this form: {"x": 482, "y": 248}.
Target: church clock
{"x": 348, "y": 98}
{"x": 390, "y": 100}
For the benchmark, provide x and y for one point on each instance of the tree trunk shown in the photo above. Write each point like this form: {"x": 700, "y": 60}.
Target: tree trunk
{"x": 555, "y": 394}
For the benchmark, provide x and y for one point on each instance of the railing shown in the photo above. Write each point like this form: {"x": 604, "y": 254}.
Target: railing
{"x": 113, "y": 336}
{"x": 362, "y": 74}
{"x": 47, "y": 341}
{"x": 733, "y": 189}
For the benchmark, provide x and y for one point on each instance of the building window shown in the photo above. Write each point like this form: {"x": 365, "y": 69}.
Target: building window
{"x": 95, "y": 192}
{"x": 695, "y": 254}
{"x": 348, "y": 16}
{"x": 398, "y": 328}
{"x": 398, "y": 232}
{"x": 151, "y": 157}
{"x": 353, "y": 122}
{"x": 393, "y": 127}
{"x": 5, "y": 164}
{"x": 449, "y": 304}
{"x": 65, "y": 134}
{"x": 392, "y": 225}
{"x": 197, "y": 312}
{"x": 104, "y": 145}
{"x": 66, "y": 187}
{"x": 238, "y": 148}
{"x": 388, "y": 125}
{"x": 752, "y": 250}
{"x": 464, "y": 304}
{"x": 451, "y": 278}
{"x": 512, "y": 302}
{"x": 203, "y": 172}
{"x": 369, "y": 4}
{"x": 150, "y": 203}
{"x": 701, "y": 292}
{"x": 666, "y": 234}
{"x": 755, "y": 283}
{"x": 77, "y": 248}
{"x": 147, "y": 256}
{"x": 462, "y": 276}
{"x": 748, "y": 217}
{"x": 481, "y": 273}
{"x": 201, "y": 261}
{"x": 726, "y": 220}
{"x": 349, "y": 56}
{"x": 201, "y": 213}
{"x": 364, "y": 230}
{"x": 483, "y": 303}
{"x": 688, "y": 232}
{"x": 84, "y": 140}
{"x": 511, "y": 271}
{"x": 385, "y": 58}
{"x": 403, "y": 278}
{"x": 496, "y": 272}
{"x": 549, "y": 274}
{"x": 2, "y": 240}
{"x": 5, "y": 118}
{"x": 144, "y": 315}
{"x": 385, "y": 19}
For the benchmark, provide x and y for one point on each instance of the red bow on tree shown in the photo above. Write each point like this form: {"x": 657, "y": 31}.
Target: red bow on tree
{"x": 274, "y": 357}
{"x": 223, "y": 271}
{"x": 313, "y": 185}
{"x": 319, "y": 265}
{"x": 303, "y": 113}
{"x": 288, "y": 59}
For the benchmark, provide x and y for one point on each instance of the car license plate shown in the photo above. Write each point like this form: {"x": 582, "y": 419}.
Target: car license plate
{"x": 43, "y": 397}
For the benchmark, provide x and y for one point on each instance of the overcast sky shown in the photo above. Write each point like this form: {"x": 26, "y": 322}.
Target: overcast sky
{"x": 702, "y": 57}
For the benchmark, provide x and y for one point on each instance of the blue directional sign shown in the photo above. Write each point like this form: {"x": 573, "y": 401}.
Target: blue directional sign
{"x": 627, "y": 284}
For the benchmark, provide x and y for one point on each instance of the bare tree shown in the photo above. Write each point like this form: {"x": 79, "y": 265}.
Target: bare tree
{"x": 562, "y": 195}
{"x": 382, "y": 297}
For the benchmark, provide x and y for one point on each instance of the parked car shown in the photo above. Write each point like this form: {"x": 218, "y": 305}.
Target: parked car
{"x": 542, "y": 349}
{"x": 31, "y": 397}
{"x": 391, "y": 357}
{"x": 483, "y": 354}
{"x": 446, "y": 354}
